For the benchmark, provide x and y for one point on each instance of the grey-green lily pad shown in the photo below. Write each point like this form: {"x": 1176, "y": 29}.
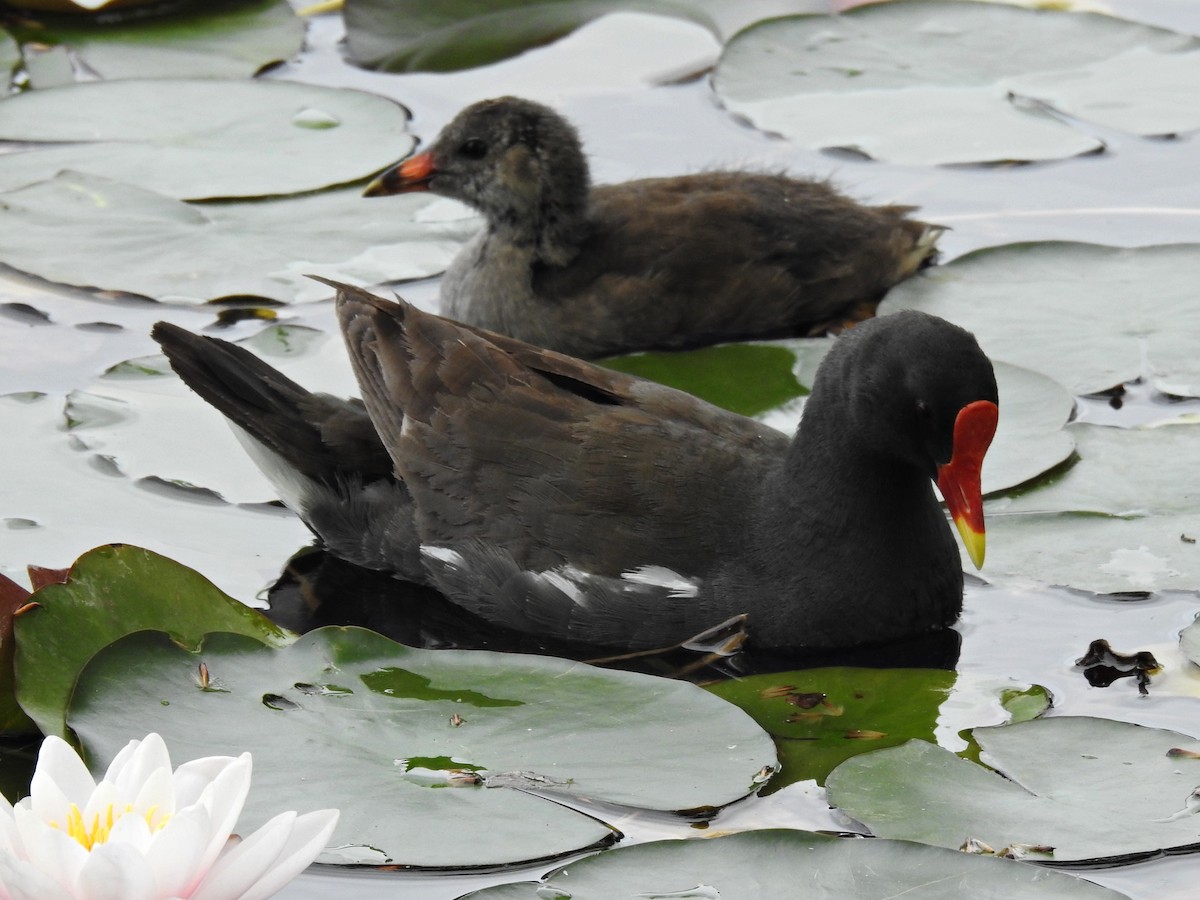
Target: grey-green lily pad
{"x": 111, "y": 592}
{"x": 151, "y": 425}
{"x": 126, "y": 238}
{"x": 931, "y": 82}
{"x": 1089, "y": 316}
{"x": 1121, "y": 519}
{"x": 436, "y": 758}
{"x": 821, "y": 717}
{"x": 409, "y": 35}
{"x": 1094, "y": 790}
{"x": 206, "y": 39}
{"x": 202, "y": 138}
{"x": 783, "y": 863}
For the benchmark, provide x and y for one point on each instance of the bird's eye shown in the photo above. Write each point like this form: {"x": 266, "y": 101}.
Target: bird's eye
{"x": 473, "y": 148}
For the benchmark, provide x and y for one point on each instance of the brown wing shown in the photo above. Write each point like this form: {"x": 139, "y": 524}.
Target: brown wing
{"x": 723, "y": 254}
{"x": 553, "y": 459}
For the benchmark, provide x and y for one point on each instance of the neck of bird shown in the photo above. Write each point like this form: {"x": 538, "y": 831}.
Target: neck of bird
{"x": 548, "y": 226}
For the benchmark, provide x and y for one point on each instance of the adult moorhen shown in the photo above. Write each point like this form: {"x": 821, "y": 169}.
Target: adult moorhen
{"x": 659, "y": 262}
{"x": 556, "y": 497}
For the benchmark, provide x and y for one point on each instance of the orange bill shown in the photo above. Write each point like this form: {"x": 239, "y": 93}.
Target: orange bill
{"x": 411, "y": 175}
{"x": 958, "y": 480}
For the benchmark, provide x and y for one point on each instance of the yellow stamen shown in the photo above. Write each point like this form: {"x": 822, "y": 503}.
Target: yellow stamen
{"x": 97, "y": 832}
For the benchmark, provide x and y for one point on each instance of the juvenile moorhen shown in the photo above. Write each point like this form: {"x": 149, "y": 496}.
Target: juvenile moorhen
{"x": 659, "y": 262}
{"x": 556, "y": 497}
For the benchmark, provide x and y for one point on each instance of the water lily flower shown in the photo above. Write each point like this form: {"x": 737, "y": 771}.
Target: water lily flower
{"x": 146, "y": 832}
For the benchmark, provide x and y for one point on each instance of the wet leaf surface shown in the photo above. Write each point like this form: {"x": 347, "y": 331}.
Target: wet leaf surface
{"x": 927, "y": 82}
{"x": 821, "y": 717}
{"x": 111, "y": 592}
{"x": 1093, "y": 789}
{"x": 1026, "y": 302}
{"x": 1115, "y": 521}
{"x": 780, "y": 863}
{"x": 404, "y": 36}
{"x": 206, "y": 39}
{"x": 202, "y": 138}
{"x": 380, "y": 735}
{"x": 260, "y": 249}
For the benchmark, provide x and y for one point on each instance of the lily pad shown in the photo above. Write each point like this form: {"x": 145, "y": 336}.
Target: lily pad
{"x": 207, "y": 39}
{"x": 420, "y": 749}
{"x": 202, "y": 138}
{"x": 785, "y": 863}
{"x": 1094, "y": 790}
{"x": 204, "y": 252}
{"x": 111, "y": 592}
{"x": 822, "y": 717}
{"x": 1118, "y": 520}
{"x": 1025, "y": 303}
{"x": 930, "y": 82}
{"x": 408, "y": 35}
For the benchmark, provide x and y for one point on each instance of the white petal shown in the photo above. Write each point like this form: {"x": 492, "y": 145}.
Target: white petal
{"x": 49, "y": 850}
{"x": 271, "y": 857}
{"x": 20, "y": 880}
{"x": 224, "y": 799}
{"x": 10, "y": 838}
{"x": 132, "y": 830}
{"x": 310, "y": 835}
{"x": 155, "y": 797}
{"x": 59, "y": 779}
{"x": 116, "y": 872}
{"x": 178, "y": 852}
{"x": 193, "y": 777}
{"x": 135, "y": 764}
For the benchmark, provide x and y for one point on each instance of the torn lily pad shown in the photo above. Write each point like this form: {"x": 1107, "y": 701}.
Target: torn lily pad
{"x": 410, "y": 35}
{"x": 784, "y": 863}
{"x": 223, "y": 39}
{"x": 126, "y": 238}
{"x": 1117, "y": 521}
{"x": 923, "y": 82}
{"x": 1026, "y": 302}
{"x": 111, "y": 592}
{"x": 420, "y": 749}
{"x": 1092, "y": 789}
{"x": 821, "y": 717}
{"x": 202, "y": 138}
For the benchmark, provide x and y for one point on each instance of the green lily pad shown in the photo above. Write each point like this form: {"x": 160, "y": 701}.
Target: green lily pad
{"x": 421, "y": 749}
{"x": 199, "y": 39}
{"x": 930, "y": 82}
{"x": 1094, "y": 790}
{"x": 1025, "y": 303}
{"x": 822, "y": 717}
{"x": 407, "y": 35}
{"x": 202, "y": 138}
{"x": 111, "y": 592}
{"x": 1118, "y": 520}
{"x": 746, "y": 378}
{"x": 204, "y": 252}
{"x": 784, "y": 863}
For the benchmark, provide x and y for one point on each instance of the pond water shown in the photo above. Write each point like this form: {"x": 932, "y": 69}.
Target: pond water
{"x": 626, "y": 81}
